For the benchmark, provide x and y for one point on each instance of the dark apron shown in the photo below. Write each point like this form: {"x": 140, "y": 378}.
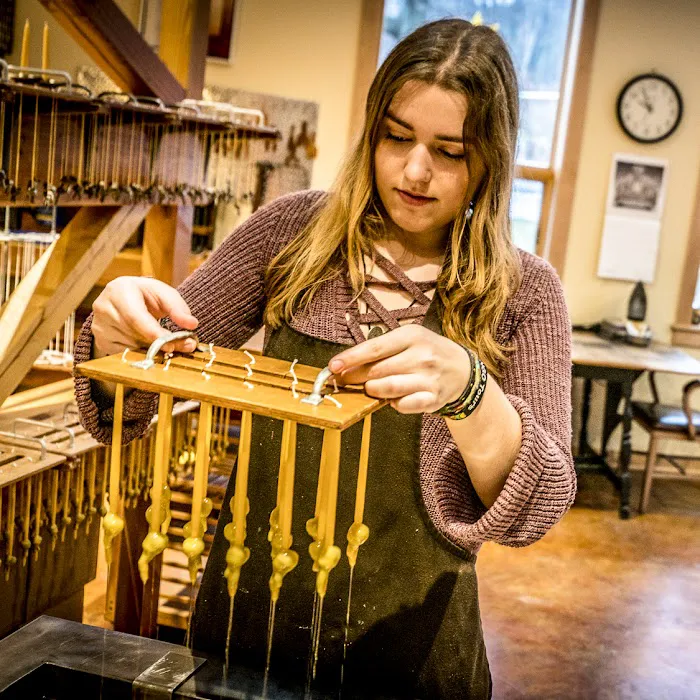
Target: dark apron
{"x": 415, "y": 629}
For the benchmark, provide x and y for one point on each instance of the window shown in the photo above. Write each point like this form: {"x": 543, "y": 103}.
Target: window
{"x": 536, "y": 32}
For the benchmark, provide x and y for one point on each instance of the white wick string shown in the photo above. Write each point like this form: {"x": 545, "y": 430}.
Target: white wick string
{"x": 248, "y": 385}
{"x": 212, "y": 358}
{"x": 250, "y": 371}
{"x": 335, "y": 386}
{"x": 252, "y": 359}
{"x": 335, "y": 401}
{"x": 167, "y": 365}
{"x": 206, "y": 376}
{"x": 124, "y": 354}
{"x": 295, "y": 381}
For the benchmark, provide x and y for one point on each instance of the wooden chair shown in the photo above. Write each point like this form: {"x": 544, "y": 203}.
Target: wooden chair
{"x": 664, "y": 422}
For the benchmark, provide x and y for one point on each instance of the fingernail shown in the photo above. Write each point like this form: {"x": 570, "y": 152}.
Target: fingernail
{"x": 335, "y": 366}
{"x": 190, "y": 345}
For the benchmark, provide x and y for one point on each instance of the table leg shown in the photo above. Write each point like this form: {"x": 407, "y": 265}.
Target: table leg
{"x": 625, "y": 450}
{"x": 585, "y": 410}
{"x": 611, "y": 419}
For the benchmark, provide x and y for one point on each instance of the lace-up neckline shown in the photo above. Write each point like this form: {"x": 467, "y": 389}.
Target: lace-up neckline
{"x": 377, "y": 313}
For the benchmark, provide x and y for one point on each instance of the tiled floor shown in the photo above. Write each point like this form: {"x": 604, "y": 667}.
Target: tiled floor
{"x": 599, "y": 609}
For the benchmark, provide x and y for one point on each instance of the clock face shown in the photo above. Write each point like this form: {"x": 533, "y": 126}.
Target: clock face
{"x": 649, "y": 108}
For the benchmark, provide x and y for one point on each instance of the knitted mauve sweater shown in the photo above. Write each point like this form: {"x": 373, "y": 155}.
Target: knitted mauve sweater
{"x": 226, "y": 295}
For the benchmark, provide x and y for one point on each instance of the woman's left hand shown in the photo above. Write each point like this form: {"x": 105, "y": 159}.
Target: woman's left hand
{"x": 417, "y": 370}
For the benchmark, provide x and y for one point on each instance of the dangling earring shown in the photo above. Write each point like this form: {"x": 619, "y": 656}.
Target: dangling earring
{"x": 470, "y": 211}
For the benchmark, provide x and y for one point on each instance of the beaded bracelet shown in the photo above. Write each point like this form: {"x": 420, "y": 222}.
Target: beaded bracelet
{"x": 470, "y": 398}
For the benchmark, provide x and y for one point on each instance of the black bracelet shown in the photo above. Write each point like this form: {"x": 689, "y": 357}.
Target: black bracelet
{"x": 476, "y": 400}
{"x": 455, "y": 405}
{"x": 470, "y": 398}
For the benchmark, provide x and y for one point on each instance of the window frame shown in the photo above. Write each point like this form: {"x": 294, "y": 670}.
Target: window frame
{"x": 684, "y": 331}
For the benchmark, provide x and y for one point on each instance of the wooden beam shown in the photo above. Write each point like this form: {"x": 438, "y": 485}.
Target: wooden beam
{"x": 167, "y": 241}
{"x": 57, "y": 284}
{"x": 199, "y": 40}
{"x": 184, "y": 28}
{"x": 112, "y": 41}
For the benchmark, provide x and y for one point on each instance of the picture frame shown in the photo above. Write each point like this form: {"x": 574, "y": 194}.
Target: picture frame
{"x": 221, "y": 23}
{"x": 637, "y": 186}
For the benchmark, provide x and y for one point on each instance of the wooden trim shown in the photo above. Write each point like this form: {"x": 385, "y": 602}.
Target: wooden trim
{"x": 545, "y": 215}
{"x": 372, "y": 16}
{"x": 529, "y": 172}
{"x": 685, "y": 334}
{"x": 562, "y": 200}
{"x": 546, "y": 177}
{"x": 690, "y": 269}
{"x": 103, "y": 31}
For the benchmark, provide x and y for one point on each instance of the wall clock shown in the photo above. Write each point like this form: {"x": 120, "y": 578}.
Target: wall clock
{"x": 649, "y": 108}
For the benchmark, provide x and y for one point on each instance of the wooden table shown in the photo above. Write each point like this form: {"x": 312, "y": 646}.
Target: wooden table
{"x": 619, "y": 365}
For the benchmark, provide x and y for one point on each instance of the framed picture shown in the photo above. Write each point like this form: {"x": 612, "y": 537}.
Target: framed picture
{"x": 637, "y": 186}
{"x": 629, "y": 247}
{"x": 221, "y": 17}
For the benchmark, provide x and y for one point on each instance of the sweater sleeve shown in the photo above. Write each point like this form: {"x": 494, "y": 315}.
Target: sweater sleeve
{"x": 542, "y": 483}
{"x": 226, "y": 295}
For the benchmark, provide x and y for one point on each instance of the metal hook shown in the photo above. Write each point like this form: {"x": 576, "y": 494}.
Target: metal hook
{"x": 158, "y": 344}
{"x": 29, "y": 421}
{"x": 315, "y": 397}
{"x": 41, "y": 441}
{"x": 70, "y": 408}
{"x": 27, "y": 71}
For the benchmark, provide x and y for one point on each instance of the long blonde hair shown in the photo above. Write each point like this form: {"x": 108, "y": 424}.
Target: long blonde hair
{"x": 482, "y": 266}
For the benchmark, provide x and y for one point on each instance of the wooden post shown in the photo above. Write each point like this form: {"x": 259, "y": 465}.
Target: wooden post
{"x": 167, "y": 241}
{"x": 184, "y": 26}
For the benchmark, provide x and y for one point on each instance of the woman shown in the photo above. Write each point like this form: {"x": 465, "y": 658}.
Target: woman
{"x": 412, "y": 249}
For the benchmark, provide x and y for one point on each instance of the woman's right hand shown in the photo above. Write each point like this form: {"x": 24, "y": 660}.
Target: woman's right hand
{"x": 127, "y": 314}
